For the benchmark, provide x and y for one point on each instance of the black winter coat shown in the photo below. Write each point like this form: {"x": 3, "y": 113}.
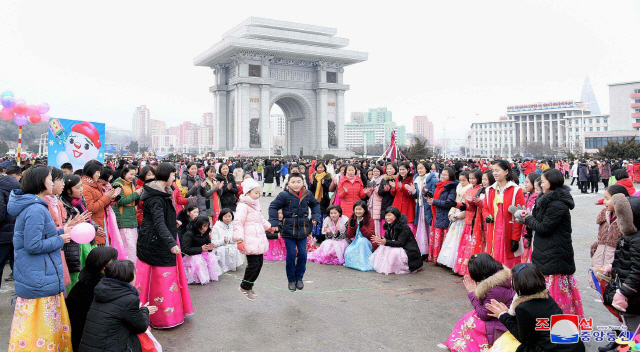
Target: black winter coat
{"x": 228, "y": 197}
{"x": 191, "y": 242}
{"x": 114, "y": 319}
{"x": 594, "y": 174}
{"x": 7, "y": 222}
{"x": 295, "y": 210}
{"x": 399, "y": 234}
{"x": 78, "y": 303}
{"x": 326, "y": 183}
{"x": 522, "y": 325}
{"x": 158, "y": 230}
{"x": 72, "y": 249}
{"x": 387, "y": 197}
{"x": 551, "y": 223}
{"x": 583, "y": 172}
{"x": 269, "y": 173}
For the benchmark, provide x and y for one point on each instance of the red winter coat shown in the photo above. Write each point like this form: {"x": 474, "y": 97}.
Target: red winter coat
{"x": 512, "y": 229}
{"x": 97, "y": 202}
{"x": 139, "y": 184}
{"x": 403, "y": 200}
{"x": 178, "y": 199}
{"x": 354, "y": 192}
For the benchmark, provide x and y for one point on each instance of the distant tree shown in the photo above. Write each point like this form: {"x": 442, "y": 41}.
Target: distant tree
{"x": 4, "y": 148}
{"x": 329, "y": 157}
{"x": 418, "y": 150}
{"x": 626, "y": 150}
{"x": 133, "y": 147}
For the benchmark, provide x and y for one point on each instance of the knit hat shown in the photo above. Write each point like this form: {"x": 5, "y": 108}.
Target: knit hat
{"x": 249, "y": 184}
{"x": 89, "y": 130}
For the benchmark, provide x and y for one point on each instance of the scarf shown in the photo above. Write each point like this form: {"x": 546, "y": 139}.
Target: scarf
{"x": 420, "y": 181}
{"x": 319, "y": 190}
{"x": 78, "y": 204}
{"x": 351, "y": 179}
{"x": 439, "y": 188}
{"x": 127, "y": 190}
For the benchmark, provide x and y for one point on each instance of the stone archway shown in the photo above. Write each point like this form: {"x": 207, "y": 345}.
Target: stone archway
{"x": 299, "y": 118}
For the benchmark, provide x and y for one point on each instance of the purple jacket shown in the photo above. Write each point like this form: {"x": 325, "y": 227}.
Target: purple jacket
{"x": 498, "y": 287}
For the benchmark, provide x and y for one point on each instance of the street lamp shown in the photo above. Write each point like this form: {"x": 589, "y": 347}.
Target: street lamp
{"x": 584, "y": 130}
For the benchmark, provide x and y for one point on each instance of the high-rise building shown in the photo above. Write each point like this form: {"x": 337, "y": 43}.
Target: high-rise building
{"x": 375, "y": 129}
{"x": 431, "y": 137}
{"x": 377, "y": 115}
{"x": 421, "y": 128}
{"x": 207, "y": 119}
{"x": 357, "y": 117}
{"x": 277, "y": 125}
{"x": 140, "y": 129}
{"x": 624, "y": 104}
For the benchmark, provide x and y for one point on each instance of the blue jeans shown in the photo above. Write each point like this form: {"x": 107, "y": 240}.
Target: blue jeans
{"x": 295, "y": 271}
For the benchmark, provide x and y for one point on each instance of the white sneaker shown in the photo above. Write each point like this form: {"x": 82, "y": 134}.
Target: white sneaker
{"x": 443, "y": 346}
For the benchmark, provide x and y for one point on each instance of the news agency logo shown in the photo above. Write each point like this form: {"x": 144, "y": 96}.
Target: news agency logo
{"x": 564, "y": 328}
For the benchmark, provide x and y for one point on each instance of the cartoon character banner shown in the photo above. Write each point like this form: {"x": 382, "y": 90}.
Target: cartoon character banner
{"x": 75, "y": 142}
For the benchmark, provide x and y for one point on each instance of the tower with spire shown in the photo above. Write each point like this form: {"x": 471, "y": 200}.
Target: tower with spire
{"x": 589, "y": 97}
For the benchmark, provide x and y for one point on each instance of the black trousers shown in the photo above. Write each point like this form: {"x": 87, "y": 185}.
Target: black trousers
{"x": 573, "y": 180}
{"x": 584, "y": 186}
{"x": 605, "y": 182}
{"x": 594, "y": 186}
{"x": 251, "y": 273}
{"x": 277, "y": 180}
{"x": 6, "y": 255}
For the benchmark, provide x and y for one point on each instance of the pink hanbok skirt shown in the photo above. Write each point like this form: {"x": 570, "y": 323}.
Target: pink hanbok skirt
{"x": 469, "y": 335}
{"x": 129, "y": 239}
{"x": 467, "y": 244}
{"x": 422, "y": 233}
{"x": 330, "y": 252}
{"x": 436, "y": 237}
{"x": 387, "y": 260}
{"x": 277, "y": 250}
{"x": 564, "y": 290}
{"x": 165, "y": 287}
{"x": 202, "y": 268}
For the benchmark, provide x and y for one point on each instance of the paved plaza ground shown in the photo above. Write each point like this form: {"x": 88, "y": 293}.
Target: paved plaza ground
{"x": 340, "y": 309}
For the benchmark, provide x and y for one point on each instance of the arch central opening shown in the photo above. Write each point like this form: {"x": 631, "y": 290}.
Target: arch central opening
{"x": 288, "y": 126}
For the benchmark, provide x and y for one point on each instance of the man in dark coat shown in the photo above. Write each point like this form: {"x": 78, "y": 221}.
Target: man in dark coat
{"x": 8, "y": 183}
{"x": 583, "y": 176}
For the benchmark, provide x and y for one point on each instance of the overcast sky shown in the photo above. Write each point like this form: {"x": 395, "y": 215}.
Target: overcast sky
{"x": 99, "y": 60}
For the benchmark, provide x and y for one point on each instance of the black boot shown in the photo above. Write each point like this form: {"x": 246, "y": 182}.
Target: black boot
{"x": 610, "y": 347}
{"x": 299, "y": 285}
{"x": 292, "y": 286}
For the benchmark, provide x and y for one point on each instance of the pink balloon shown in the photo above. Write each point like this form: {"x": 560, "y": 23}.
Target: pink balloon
{"x": 35, "y": 118}
{"x": 20, "y": 120}
{"x": 31, "y": 110}
{"x": 6, "y": 114}
{"x": 43, "y": 108}
{"x": 19, "y": 107}
{"x": 44, "y": 117}
{"x": 83, "y": 233}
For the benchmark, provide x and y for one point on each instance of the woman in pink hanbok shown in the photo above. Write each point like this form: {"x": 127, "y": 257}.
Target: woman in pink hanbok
{"x": 334, "y": 228}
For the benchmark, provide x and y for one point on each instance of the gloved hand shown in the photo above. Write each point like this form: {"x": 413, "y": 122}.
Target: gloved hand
{"x": 620, "y": 302}
{"x": 514, "y": 246}
{"x": 463, "y": 207}
{"x": 361, "y": 223}
{"x": 489, "y": 219}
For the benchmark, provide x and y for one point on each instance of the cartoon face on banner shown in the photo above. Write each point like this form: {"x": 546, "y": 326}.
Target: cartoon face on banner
{"x": 75, "y": 142}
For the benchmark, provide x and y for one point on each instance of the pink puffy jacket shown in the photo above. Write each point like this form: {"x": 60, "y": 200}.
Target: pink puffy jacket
{"x": 249, "y": 226}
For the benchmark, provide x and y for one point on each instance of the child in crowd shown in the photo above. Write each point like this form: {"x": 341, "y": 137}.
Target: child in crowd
{"x": 334, "y": 228}
{"x": 398, "y": 251}
{"x": 200, "y": 264}
{"x": 532, "y": 303}
{"x": 211, "y": 190}
{"x": 296, "y": 202}
{"x": 186, "y": 216}
{"x": 248, "y": 231}
{"x": 277, "y": 249}
{"x": 609, "y": 220}
{"x": 224, "y": 247}
{"x": 530, "y": 201}
{"x": 477, "y": 330}
{"x": 116, "y": 317}
{"x": 81, "y": 296}
{"x": 471, "y": 242}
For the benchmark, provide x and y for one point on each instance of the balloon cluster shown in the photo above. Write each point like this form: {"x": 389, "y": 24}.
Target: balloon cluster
{"x": 21, "y": 113}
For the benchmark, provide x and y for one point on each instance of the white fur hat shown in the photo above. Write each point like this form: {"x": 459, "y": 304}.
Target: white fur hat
{"x": 249, "y": 184}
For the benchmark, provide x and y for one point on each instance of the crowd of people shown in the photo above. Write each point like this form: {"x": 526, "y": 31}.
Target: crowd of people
{"x": 160, "y": 225}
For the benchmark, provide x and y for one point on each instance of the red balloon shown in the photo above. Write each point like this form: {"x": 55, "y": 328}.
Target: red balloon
{"x": 20, "y": 108}
{"x": 6, "y": 114}
{"x": 31, "y": 110}
{"x": 35, "y": 118}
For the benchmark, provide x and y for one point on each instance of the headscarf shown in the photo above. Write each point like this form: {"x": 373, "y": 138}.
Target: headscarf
{"x": 436, "y": 195}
